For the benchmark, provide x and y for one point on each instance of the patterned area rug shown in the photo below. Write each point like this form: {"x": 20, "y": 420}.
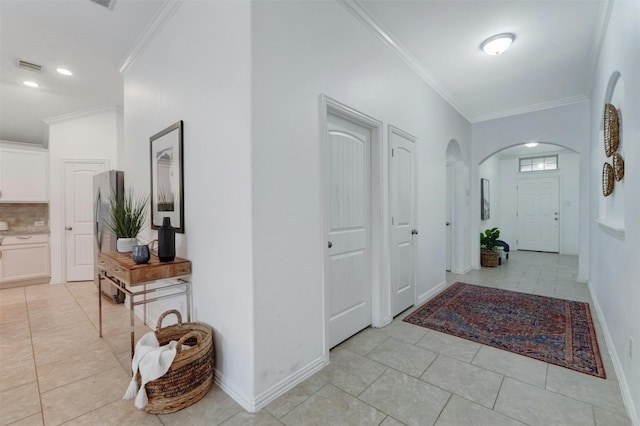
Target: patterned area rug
{"x": 552, "y": 330}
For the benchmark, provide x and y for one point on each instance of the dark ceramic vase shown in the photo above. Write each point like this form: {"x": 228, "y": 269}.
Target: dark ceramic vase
{"x": 141, "y": 254}
{"x": 166, "y": 241}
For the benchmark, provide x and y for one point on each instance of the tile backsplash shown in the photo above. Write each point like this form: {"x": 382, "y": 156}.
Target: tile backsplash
{"x": 21, "y": 217}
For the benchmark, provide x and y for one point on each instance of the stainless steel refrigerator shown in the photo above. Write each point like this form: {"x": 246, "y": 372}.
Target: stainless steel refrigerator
{"x": 105, "y": 185}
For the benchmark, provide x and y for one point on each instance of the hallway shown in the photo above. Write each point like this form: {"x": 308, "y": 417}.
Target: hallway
{"x": 55, "y": 370}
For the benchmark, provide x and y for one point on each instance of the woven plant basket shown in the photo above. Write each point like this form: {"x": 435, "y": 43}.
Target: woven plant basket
{"x": 489, "y": 258}
{"x": 191, "y": 374}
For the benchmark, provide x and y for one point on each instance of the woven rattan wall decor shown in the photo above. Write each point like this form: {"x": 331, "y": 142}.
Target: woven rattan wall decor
{"x": 611, "y": 129}
{"x": 618, "y": 166}
{"x": 607, "y": 179}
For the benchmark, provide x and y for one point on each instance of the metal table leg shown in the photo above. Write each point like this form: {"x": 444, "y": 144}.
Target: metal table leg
{"x": 100, "y": 304}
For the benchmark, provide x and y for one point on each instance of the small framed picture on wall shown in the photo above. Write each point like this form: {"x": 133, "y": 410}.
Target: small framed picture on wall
{"x": 485, "y": 205}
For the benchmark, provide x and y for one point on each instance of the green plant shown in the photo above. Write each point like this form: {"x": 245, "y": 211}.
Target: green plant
{"x": 489, "y": 240}
{"x": 126, "y": 214}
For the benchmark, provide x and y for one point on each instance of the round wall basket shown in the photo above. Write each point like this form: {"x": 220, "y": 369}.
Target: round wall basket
{"x": 611, "y": 129}
{"x": 607, "y": 179}
{"x": 618, "y": 166}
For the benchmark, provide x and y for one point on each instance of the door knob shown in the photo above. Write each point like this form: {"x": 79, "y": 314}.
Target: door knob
{"x": 414, "y": 232}
{"x": 447, "y": 223}
{"x": 68, "y": 228}
{"x": 330, "y": 244}
{"x": 555, "y": 218}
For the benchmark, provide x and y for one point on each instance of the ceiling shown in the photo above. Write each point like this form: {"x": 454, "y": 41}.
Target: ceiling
{"x": 87, "y": 38}
{"x": 550, "y": 62}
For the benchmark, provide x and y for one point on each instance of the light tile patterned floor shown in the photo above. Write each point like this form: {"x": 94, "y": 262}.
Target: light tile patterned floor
{"x": 55, "y": 370}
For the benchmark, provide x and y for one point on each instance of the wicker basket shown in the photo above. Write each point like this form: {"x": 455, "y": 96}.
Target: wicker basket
{"x": 489, "y": 258}
{"x": 191, "y": 374}
{"x": 607, "y": 179}
{"x": 611, "y": 129}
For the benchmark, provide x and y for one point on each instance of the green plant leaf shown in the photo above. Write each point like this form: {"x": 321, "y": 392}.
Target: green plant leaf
{"x": 127, "y": 213}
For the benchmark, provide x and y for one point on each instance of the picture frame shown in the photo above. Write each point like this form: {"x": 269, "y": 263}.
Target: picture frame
{"x": 485, "y": 202}
{"x": 167, "y": 177}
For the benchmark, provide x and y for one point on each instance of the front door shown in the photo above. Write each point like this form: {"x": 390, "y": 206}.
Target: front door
{"x": 79, "y": 223}
{"x": 403, "y": 220}
{"x": 348, "y": 217}
{"x": 538, "y": 215}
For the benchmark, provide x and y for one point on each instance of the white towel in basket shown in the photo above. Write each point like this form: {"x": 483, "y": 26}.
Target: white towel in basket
{"x": 153, "y": 361}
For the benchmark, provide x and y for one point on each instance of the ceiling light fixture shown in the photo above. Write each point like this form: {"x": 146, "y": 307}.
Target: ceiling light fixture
{"x": 30, "y": 83}
{"x": 64, "y": 71}
{"x": 497, "y": 44}
{"x": 531, "y": 144}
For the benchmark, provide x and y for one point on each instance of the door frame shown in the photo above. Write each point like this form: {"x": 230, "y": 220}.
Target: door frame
{"x": 63, "y": 209}
{"x": 397, "y": 131}
{"x": 380, "y": 252}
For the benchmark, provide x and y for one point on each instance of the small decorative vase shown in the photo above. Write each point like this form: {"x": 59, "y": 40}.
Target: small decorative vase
{"x": 125, "y": 245}
{"x": 166, "y": 241}
{"x": 141, "y": 254}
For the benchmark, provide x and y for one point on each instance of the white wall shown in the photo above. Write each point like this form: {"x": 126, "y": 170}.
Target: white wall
{"x": 568, "y": 175}
{"x": 567, "y": 126}
{"x": 89, "y": 135}
{"x": 302, "y": 50}
{"x": 197, "y": 69}
{"x": 615, "y": 260}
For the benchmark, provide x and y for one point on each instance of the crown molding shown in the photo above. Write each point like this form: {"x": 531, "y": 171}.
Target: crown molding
{"x": 79, "y": 114}
{"x": 164, "y": 14}
{"x": 355, "y": 8}
{"x": 532, "y": 108}
{"x": 598, "y": 41}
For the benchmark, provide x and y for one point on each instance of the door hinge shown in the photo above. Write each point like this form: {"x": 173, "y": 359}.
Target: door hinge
{"x": 392, "y": 220}
{"x": 393, "y": 152}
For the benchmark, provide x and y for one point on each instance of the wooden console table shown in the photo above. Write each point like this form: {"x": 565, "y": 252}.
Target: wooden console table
{"x": 119, "y": 270}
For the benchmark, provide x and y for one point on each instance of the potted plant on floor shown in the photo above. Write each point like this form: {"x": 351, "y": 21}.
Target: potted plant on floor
{"x": 125, "y": 217}
{"x": 488, "y": 242}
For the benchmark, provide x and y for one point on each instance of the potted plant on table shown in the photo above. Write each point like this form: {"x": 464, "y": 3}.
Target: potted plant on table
{"x": 126, "y": 215}
{"x": 488, "y": 242}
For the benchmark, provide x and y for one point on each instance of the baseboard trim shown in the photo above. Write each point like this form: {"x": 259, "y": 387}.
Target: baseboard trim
{"x": 462, "y": 271}
{"x": 632, "y": 410}
{"x": 232, "y": 390}
{"x": 253, "y": 405}
{"x": 432, "y": 292}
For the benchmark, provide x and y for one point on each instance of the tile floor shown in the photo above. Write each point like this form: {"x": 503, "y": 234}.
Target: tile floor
{"x": 55, "y": 370}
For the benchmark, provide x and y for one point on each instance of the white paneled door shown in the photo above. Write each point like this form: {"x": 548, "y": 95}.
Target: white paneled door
{"x": 539, "y": 215}
{"x": 403, "y": 220}
{"x": 348, "y": 217}
{"x": 79, "y": 223}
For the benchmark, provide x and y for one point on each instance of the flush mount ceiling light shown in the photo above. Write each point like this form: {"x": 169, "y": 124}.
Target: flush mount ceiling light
{"x": 497, "y": 44}
{"x": 30, "y": 83}
{"x": 531, "y": 144}
{"x": 64, "y": 71}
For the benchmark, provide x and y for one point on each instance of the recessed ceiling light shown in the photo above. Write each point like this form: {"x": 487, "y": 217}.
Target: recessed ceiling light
{"x": 531, "y": 144}
{"x": 64, "y": 71}
{"x": 497, "y": 44}
{"x": 31, "y": 83}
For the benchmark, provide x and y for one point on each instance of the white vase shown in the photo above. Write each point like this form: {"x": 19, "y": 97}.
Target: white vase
{"x": 125, "y": 245}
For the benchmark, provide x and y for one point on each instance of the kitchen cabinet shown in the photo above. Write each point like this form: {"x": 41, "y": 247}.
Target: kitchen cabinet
{"x": 23, "y": 174}
{"x": 24, "y": 260}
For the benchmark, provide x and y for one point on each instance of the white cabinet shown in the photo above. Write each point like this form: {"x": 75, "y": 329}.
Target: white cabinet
{"x": 25, "y": 259}
{"x": 23, "y": 174}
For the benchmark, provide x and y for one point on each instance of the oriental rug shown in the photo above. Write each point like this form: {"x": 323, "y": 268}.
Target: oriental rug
{"x": 552, "y": 330}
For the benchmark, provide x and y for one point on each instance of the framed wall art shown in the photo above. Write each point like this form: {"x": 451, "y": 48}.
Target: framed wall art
{"x": 167, "y": 171}
{"x": 485, "y": 205}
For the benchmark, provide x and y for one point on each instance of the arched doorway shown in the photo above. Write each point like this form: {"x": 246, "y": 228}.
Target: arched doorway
{"x": 534, "y": 197}
{"x": 456, "y": 218}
